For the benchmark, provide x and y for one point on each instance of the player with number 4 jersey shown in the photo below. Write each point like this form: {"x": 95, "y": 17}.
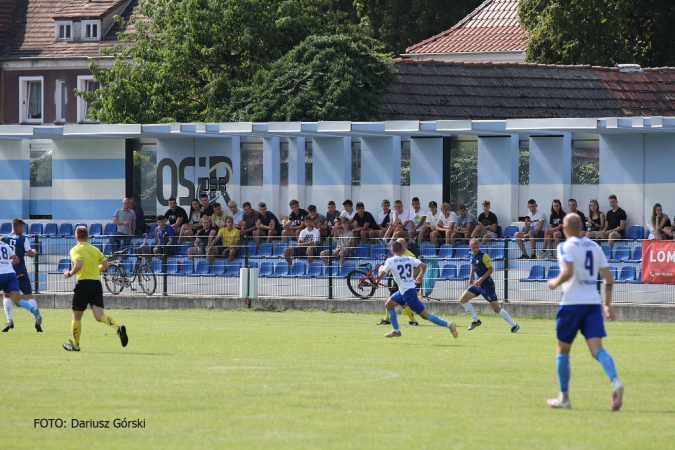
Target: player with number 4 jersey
{"x": 581, "y": 260}
{"x": 401, "y": 268}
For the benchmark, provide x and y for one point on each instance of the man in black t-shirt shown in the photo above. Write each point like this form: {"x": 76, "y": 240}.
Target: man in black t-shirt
{"x": 248, "y": 221}
{"x": 487, "y": 224}
{"x": 332, "y": 220}
{"x": 572, "y": 208}
{"x": 175, "y": 215}
{"x": 616, "y": 221}
{"x": 267, "y": 224}
{"x": 206, "y": 208}
{"x": 296, "y": 221}
{"x": 364, "y": 223}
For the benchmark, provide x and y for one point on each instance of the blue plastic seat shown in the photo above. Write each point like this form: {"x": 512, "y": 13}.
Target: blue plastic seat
{"x": 219, "y": 267}
{"x": 621, "y": 254}
{"x": 314, "y": 270}
{"x": 638, "y": 278}
{"x": 445, "y": 251}
{"x": 51, "y": 229}
{"x": 462, "y": 252}
{"x": 264, "y": 251}
{"x": 186, "y": 267}
{"x": 499, "y": 232}
{"x": 266, "y": 269}
{"x": 35, "y": 228}
{"x": 607, "y": 250}
{"x": 347, "y": 267}
{"x": 66, "y": 229}
{"x": 151, "y": 228}
{"x": 233, "y": 269}
{"x": 202, "y": 269}
{"x": 553, "y": 272}
{"x": 637, "y": 255}
{"x": 378, "y": 250}
{"x": 156, "y": 266}
{"x": 636, "y": 233}
{"x": 448, "y": 272}
{"x": 278, "y": 249}
{"x": 334, "y": 270}
{"x": 510, "y": 231}
{"x": 129, "y": 264}
{"x": 173, "y": 265}
{"x": 95, "y": 229}
{"x": 464, "y": 272}
{"x": 496, "y": 253}
{"x": 614, "y": 271}
{"x": 536, "y": 274}
{"x": 250, "y": 247}
{"x": 428, "y": 249}
{"x": 298, "y": 269}
{"x": 6, "y": 228}
{"x": 362, "y": 251}
{"x": 280, "y": 269}
{"x": 64, "y": 264}
{"x": 109, "y": 229}
{"x": 184, "y": 247}
{"x": 626, "y": 275}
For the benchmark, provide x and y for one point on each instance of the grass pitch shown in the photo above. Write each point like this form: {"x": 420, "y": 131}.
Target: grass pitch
{"x": 254, "y": 379}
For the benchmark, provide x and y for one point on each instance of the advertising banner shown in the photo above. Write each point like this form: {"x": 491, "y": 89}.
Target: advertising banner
{"x": 658, "y": 262}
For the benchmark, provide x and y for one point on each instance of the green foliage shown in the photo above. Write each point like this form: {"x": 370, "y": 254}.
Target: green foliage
{"x": 324, "y": 78}
{"x": 41, "y": 171}
{"x": 464, "y": 177}
{"x": 585, "y": 172}
{"x": 524, "y": 167}
{"x": 185, "y": 58}
{"x": 599, "y": 32}
{"x": 145, "y": 178}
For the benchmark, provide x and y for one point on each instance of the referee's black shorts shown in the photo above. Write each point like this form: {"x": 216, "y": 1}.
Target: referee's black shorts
{"x": 87, "y": 292}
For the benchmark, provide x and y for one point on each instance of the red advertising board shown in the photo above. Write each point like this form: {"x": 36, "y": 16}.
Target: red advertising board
{"x": 658, "y": 262}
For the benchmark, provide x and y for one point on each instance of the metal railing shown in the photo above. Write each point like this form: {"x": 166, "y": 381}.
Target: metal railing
{"x": 181, "y": 274}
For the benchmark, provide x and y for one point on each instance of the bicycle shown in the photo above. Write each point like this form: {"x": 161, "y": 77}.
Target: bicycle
{"x": 364, "y": 284}
{"x": 116, "y": 277}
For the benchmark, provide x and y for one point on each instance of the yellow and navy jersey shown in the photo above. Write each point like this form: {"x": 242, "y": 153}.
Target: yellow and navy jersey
{"x": 481, "y": 263}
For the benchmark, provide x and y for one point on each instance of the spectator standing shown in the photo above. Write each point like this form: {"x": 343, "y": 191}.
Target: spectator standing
{"x": 125, "y": 220}
{"x": 464, "y": 224}
{"x": 487, "y": 225}
{"x": 536, "y": 224}
{"x": 554, "y": 229}
{"x": 616, "y": 221}
{"x": 176, "y": 216}
{"x": 661, "y": 224}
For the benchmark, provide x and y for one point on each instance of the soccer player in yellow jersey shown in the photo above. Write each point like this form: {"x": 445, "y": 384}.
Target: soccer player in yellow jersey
{"x": 88, "y": 261}
{"x": 406, "y": 309}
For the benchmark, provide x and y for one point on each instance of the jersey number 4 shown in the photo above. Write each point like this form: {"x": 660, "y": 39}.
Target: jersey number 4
{"x": 589, "y": 263}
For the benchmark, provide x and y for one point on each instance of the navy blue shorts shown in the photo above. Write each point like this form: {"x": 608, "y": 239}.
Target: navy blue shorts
{"x": 487, "y": 290}
{"x": 9, "y": 282}
{"x": 410, "y": 299}
{"x": 585, "y": 318}
{"x": 24, "y": 284}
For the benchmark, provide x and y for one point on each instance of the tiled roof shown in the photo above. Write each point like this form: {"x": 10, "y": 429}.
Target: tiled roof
{"x": 435, "y": 90}
{"x": 492, "y": 27}
{"x": 84, "y": 9}
{"x": 650, "y": 93}
{"x": 7, "y": 8}
{"x": 32, "y": 30}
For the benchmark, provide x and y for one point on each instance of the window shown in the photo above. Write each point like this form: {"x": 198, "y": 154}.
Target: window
{"x": 356, "y": 163}
{"x": 405, "y": 163}
{"x": 464, "y": 173}
{"x": 64, "y": 31}
{"x": 251, "y": 170}
{"x": 60, "y": 100}
{"x": 145, "y": 175}
{"x": 91, "y": 30}
{"x": 30, "y": 99}
{"x": 586, "y": 161}
{"x": 85, "y": 83}
{"x": 524, "y": 162}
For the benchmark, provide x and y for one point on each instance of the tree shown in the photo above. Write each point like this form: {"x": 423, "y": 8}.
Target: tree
{"x": 324, "y": 78}
{"x": 180, "y": 61}
{"x": 598, "y": 32}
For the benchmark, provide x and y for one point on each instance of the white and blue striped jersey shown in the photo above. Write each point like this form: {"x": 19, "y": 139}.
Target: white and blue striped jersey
{"x": 587, "y": 257}
{"x": 401, "y": 268}
{"x": 6, "y": 254}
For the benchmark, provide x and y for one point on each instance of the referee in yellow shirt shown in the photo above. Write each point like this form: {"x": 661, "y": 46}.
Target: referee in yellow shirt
{"x": 88, "y": 262}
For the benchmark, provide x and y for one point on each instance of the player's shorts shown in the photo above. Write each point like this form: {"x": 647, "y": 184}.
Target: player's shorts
{"x": 585, "y": 318}
{"x": 87, "y": 292}
{"x": 409, "y": 298}
{"x": 487, "y": 290}
{"x": 9, "y": 282}
{"x": 24, "y": 284}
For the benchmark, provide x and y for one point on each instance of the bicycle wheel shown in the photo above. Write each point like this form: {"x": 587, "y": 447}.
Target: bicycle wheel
{"x": 147, "y": 279}
{"x": 114, "y": 279}
{"x": 360, "y": 284}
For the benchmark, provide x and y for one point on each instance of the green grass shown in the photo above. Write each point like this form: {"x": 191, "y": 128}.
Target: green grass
{"x": 253, "y": 379}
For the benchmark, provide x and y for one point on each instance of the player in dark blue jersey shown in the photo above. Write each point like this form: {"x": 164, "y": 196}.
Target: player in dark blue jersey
{"x": 21, "y": 247}
{"x": 481, "y": 266}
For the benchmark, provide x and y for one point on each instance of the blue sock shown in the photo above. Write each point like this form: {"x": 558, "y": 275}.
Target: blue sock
{"x": 607, "y": 363}
{"x": 25, "y": 304}
{"x": 564, "y": 372}
{"x": 437, "y": 320}
{"x": 393, "y": 318}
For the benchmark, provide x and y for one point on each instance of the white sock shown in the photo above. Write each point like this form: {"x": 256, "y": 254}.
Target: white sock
{"x": 506, "y": 317}
{"x": 469, "y": 308}
{"x": 33, "y": 303}
{"x": 7, "y": 304}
